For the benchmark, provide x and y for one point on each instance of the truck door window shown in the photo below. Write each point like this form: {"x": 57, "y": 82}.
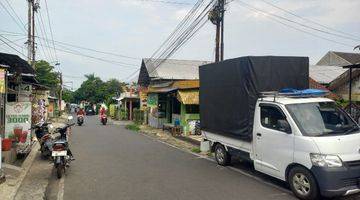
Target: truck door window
{"x": 270, "y": 115}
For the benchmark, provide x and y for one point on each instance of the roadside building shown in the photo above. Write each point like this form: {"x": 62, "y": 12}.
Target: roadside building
{"x": 129, "y": 103}
{"x": 53, "y": 106}
{"x": 18, "y": 78}
{"x": 336, "y": 78}
{"x": 169, "y": 93}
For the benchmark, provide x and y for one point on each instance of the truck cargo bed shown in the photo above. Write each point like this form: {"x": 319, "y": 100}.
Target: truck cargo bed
{"x": 228, "y": 141}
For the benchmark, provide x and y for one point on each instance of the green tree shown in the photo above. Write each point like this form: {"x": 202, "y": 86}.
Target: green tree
{"x": 68, "y": 96}
{"x": 113, "y": 88}
{"x": 94, "y": 90}
{"x": 46, "y": 75}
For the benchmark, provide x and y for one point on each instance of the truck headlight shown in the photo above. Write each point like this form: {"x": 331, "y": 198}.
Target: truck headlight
{"x": 323, "y": 160}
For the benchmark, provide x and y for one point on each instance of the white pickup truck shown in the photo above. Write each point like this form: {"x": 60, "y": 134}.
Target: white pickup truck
{"x": 308, "y": 142}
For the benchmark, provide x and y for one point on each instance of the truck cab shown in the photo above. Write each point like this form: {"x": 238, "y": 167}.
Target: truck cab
{"x": 309, "y": 142}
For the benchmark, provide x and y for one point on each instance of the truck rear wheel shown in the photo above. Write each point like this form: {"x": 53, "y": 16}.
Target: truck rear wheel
{"x": 303, "y": 184}
{"x": 222, "y": 157}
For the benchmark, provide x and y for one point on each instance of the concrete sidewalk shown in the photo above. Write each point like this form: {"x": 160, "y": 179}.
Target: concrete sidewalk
{"x": 15, "y": 175}
{"x": 30, "y": 180}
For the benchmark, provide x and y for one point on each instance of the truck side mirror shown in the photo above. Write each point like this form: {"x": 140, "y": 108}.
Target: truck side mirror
{"x": 284, "y": 126}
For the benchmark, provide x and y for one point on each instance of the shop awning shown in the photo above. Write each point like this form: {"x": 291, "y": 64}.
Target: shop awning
{"x": 188, "y": 97}
{"x": 161, "y": 90}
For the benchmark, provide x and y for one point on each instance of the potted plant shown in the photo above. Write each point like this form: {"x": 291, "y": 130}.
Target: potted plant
{"x": 6, "y": 144}
{"x": 14, "y": 140}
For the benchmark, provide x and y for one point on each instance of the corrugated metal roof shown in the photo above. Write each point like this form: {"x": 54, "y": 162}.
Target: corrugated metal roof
{"x": 325, "y": 74}
{"x": 174, "y": 69}
{"x": 16, "y": 64}
{"x": 353, "y": 58}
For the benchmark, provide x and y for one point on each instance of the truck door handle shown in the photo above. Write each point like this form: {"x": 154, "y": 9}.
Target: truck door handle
{"x": 258, "y": 134}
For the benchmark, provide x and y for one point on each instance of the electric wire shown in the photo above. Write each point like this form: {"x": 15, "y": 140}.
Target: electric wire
{"x": 90, "y": 49}
{"x": 43, "y": 32}
{"x": 179, "y": 27}
{"x": 166, "y": 2}
{"x": 183, "y": 25}
{"x": 16, "y": 40}
{"x": 11, "y": 46}
{"x": 95, "y": 58}
{"x": 76, "y": 46}
{"x": 17, "y": 16}
{"x": 293, "y": 27}
{"x": 51, "y": 31}
{"x": 175, "y": 33}
{"x": 311, "y": 21}
{"x": 182, "y": 37}
{"x": 12, "y": 17}
{"x": 295, "y": 22}
{"x": 42, "y": 47}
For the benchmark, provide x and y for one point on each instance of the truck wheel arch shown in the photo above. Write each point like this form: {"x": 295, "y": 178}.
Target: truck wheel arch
{"x": 292, "y": 165}
{"x": 213, "y": 146}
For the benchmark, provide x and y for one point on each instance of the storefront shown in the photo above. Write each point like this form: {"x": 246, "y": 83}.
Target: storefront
{"x": 190, "y": 110}
{"x": 16, "y": 104}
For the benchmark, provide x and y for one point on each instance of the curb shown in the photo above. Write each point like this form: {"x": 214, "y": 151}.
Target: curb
{"x": 2, "y": 177}
{"x": 182, "y": 138}
{"x": 189, "y": 140}
{"x": 25, "y": 168}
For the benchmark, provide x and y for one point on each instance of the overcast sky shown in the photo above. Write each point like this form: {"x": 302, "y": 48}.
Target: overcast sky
{"x": 136, "y": 28}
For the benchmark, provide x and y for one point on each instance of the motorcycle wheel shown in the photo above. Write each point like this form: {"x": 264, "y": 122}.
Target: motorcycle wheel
{"x": 104, "y": 121}
{"x": 59, "y": 171}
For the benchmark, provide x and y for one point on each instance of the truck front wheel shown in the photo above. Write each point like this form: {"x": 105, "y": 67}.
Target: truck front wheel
{"x": 222, "y": 157}
{"x": 303, "y": 184}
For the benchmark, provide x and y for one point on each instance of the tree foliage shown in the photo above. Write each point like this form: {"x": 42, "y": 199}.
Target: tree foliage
{"x": 68, "y": 96}
{"x": 46, "y": 75}
{"x": 94, "y": 90}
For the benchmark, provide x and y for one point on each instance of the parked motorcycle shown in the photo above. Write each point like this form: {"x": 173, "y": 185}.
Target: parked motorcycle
{"x": 80, "y": 119}
{"x": 44, "y": 137}
{"x": 61, "y": 153}
{"x": 103, "y": 119}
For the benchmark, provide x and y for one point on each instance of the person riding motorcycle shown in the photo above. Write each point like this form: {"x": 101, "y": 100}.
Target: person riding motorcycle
{"x": 102, "y": 111}
{"x": 80, "y": 112}
{"x": 103, "y": 117}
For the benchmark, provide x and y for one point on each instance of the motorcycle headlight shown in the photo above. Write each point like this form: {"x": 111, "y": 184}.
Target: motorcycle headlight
{"x": 323, "y": 160}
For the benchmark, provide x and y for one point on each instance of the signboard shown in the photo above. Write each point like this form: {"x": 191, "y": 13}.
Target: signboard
{"x": 51, "y": 108}
{"x": 25, "y": 91}
{"x": 17, "y": 114}
{"x": 152, "y": 100}
{"x": 2, "y": 81}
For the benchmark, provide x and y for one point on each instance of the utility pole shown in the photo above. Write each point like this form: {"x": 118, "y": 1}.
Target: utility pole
{"x": 216, "y": 16}
{"x": 222, "y": 12}
{"x": 61, "y": 91}
{"x": 32, "y": 9}
{"x": 29, "y": 41}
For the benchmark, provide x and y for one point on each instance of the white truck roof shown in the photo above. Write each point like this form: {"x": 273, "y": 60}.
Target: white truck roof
{"x": 295, "y": 100}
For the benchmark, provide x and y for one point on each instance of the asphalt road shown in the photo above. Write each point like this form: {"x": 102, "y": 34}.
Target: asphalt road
{"x": 115, "y": 163}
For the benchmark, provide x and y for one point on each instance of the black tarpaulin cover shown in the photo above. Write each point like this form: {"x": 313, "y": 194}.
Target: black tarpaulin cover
{"x": 229, "y": 90}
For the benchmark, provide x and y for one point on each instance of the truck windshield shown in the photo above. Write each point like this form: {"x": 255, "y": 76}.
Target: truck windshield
{"x": 322, "y": 119}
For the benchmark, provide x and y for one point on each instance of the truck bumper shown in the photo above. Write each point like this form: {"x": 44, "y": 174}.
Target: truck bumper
{"x": 337, "y": 181}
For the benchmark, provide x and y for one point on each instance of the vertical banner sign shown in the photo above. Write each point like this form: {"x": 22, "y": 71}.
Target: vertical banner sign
{"x": 2, "y": 81}
{"x": 18, "y": 121}
{"x": 25, "y": 91}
